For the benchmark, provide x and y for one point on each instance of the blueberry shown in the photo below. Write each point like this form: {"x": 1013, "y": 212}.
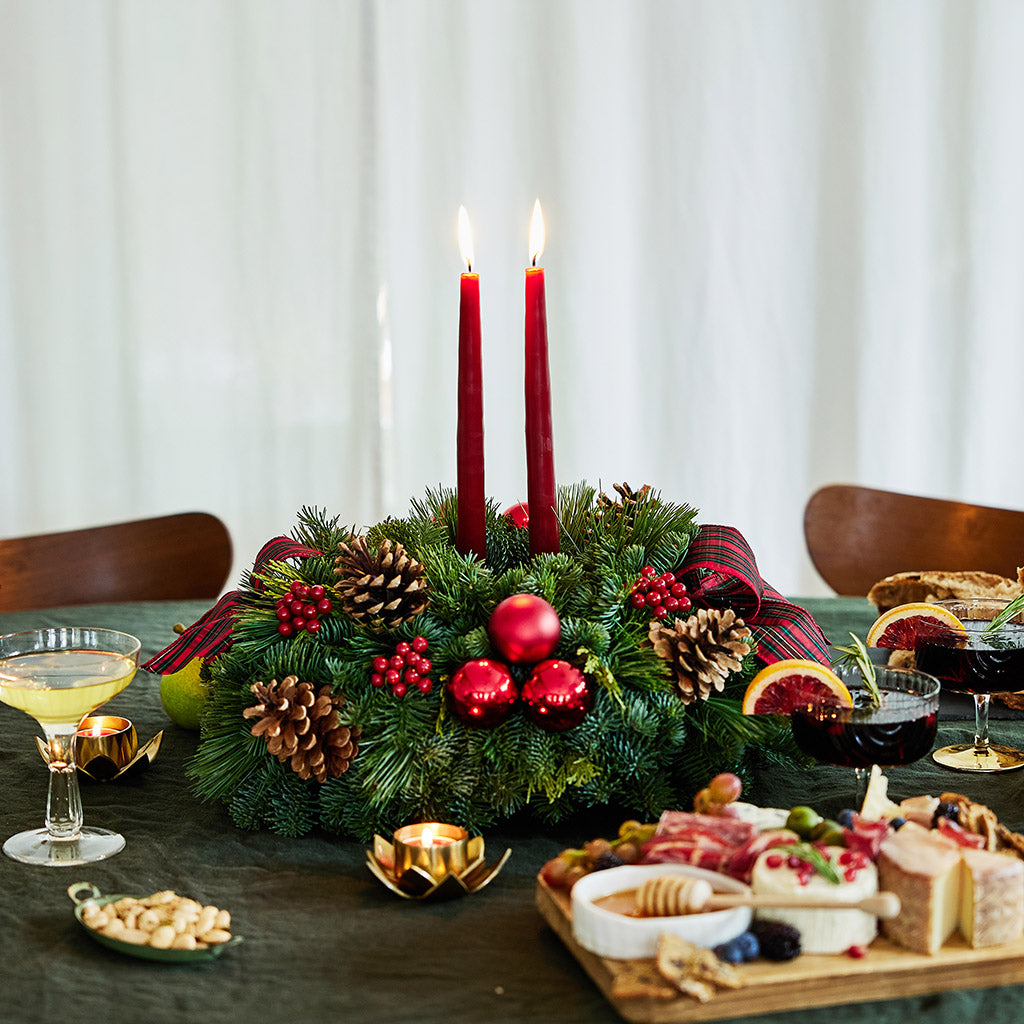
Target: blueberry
{"x": 730, "y": 952}
{"x": 946, "y": 809}
{"x": 845, "y": 818}
{"x": 898, "y": 823}
{"x": 748, "y": 945}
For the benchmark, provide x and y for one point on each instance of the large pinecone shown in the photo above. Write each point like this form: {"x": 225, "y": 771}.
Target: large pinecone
{"x": 705, "y": 649}
{"x": 303, "y": 726}
{"x": 383, "y": 587}
{"x": 625, "y": 506}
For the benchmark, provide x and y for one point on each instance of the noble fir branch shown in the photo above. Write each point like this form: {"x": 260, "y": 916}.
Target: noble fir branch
{"x": 508, "y": 545}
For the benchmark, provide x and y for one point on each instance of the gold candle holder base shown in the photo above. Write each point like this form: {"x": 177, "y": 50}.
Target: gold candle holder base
{"x": 107, "y": 747}
{"x": 449, "y": 865}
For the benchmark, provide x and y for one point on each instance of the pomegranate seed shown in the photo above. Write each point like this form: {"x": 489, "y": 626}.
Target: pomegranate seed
{"x": 846, "y": 857}
{"x": 857, "y": 952}
{"x": 850, "y": 874}
{"x": 774, "y": 860}
{"x": 794, "y": 862}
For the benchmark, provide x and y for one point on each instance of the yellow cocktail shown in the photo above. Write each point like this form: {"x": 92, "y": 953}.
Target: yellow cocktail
{"x": 58, "y": 676}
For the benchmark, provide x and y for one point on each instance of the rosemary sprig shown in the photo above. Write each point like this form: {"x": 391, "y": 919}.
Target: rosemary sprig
{"x": 1009, "y": 612}
{"x": 813, "y": 856}
{"x": 856, "y": 654}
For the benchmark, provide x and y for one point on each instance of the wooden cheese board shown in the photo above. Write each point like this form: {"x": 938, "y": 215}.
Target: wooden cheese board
{"x": 887, "y": 972}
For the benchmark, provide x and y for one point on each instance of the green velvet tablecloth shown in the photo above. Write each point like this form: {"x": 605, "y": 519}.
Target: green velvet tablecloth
{"x": 323, "y": 940}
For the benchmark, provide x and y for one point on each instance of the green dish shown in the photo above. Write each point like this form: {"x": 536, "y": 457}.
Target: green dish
{"x": 83, "y": 893}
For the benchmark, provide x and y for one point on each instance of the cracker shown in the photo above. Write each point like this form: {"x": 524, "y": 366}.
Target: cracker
{"x": 638, "y": 979}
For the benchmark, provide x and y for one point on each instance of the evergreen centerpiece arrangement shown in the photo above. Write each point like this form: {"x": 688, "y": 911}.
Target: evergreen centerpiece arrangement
{"x": 362, "y": 681}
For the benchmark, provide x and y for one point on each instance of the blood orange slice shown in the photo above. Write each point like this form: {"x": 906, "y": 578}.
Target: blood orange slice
{"x": 785, "y": 685}
{"x": 901, "y": 627}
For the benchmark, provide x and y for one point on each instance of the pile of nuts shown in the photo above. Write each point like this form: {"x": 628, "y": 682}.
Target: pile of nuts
{"x": 164, "y": 920}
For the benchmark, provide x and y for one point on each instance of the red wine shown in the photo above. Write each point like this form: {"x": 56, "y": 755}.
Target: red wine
{"x": 899, "y": 732}
{"x": 993, "y": 664}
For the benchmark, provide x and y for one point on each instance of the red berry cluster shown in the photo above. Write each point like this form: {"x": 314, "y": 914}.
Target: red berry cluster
{"x": 661, "y": 594}
{"x": 300, "y": 609}
{"x": 406, "y": 667}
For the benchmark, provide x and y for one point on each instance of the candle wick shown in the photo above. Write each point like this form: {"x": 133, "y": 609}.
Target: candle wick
{"x": 534, "y": 261}
{"x": 469, "y": 266}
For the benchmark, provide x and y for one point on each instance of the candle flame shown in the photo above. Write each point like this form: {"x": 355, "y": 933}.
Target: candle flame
{"x": 96, "y": 729}
{"x": 536, "y": 233}
{"x": 465, "y": 238}
{"x": 427, "y": 838}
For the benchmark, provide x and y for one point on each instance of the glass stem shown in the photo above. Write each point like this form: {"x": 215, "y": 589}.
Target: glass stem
{"x": 63, "y": 801}
{"x": 981, "y": 702}
{"x": 862, "y": 785}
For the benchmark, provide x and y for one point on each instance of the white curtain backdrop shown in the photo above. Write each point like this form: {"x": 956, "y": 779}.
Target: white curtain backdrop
{"x": 785, "y": 248}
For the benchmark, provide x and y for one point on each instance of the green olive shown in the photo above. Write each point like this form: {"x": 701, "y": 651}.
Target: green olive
{"x": 828, "y": 832}
{"x": 802, "y": 820}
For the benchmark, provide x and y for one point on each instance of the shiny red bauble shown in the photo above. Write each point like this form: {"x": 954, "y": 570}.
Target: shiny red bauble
{"x": 482, "y": 693}
{"x": 557, "y": 695}
{"x": 518, "y": 514}
{"x": 524, "y": 628}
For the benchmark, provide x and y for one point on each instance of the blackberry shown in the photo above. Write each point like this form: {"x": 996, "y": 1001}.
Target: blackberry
{"x": 778, "y": 941}
{"x": 607, "y": 860}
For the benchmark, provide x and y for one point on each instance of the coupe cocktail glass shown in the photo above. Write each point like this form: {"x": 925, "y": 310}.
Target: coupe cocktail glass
{"x": 981, "y": 663}
{"x": 58, "y": 676}
{"x": 899, "y": 731}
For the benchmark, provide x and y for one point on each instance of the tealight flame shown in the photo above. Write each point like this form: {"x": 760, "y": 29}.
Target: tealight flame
{"x": 96, "y": 730}
{"x": 465, "y": 238}
{"x": 536, "y": 233}
{"x": 427, "y": 838}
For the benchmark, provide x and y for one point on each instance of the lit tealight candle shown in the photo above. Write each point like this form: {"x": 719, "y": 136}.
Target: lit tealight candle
{"x": 105, "y": 744}
{"x": 427, "y": 852}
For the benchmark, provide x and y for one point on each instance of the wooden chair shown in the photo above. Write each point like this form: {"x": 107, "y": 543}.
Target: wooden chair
{"x": 165, "y": 558}
{"x": 857, "y": 536}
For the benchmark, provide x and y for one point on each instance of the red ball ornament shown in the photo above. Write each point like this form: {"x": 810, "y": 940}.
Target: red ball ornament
{"x": 519, "y": 514}
{"x": 482, "y": 693}
{"x": 557, "y": 695}
{"x": 524, "y": 628}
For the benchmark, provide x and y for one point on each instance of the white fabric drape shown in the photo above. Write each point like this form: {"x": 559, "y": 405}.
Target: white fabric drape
{"x": 785, "y": 248}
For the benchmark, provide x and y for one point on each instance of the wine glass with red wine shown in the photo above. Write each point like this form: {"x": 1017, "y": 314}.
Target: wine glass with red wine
{"x": 900, "y": 730}
{"x": 980, "y": 661}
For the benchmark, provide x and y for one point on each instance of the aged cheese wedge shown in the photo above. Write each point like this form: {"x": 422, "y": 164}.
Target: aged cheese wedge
{"x": 923, "y": 868}
{"x": 992, "y": 899}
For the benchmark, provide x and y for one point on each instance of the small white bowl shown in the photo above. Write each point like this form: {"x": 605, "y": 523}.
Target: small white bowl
{"x": 625, "y": 938}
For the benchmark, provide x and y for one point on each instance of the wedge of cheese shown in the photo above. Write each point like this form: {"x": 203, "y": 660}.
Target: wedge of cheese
{"x": 992, "y": 898}
{"x": 923, "y": 868}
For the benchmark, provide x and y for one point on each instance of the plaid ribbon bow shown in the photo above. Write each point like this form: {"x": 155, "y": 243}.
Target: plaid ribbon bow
{"x": 211, "y": 634}
{"x": 720, "y": 570}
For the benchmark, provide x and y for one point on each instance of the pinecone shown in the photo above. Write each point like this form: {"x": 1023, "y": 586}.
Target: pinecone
{"x": 704, "y": 649}
{"x": 383, "y": 588}
{"x": 625, "y": 505}
{"x": 303, "y": 726}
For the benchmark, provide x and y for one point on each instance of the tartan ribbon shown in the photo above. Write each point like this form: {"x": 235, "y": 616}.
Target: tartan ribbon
{"x": 720, "y": 570}
{"x": 209, "y": 635}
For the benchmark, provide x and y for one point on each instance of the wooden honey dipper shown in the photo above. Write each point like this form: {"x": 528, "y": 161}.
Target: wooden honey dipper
{"x": 672, "y": 895}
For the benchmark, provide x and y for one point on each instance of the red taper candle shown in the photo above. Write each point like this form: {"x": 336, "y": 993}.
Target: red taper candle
{"x": 470, "y": 529}
{"x": 540, "y": 464}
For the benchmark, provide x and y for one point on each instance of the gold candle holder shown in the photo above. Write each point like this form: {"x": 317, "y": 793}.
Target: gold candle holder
{"x": 107, "y": 747}
{"x": 104, "y": 744}
{"x": 432, "y": 860}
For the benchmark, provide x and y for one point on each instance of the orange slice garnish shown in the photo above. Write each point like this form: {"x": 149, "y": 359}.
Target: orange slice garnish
{"x": 781, "y": 687}
{"x": 902, "y": 627}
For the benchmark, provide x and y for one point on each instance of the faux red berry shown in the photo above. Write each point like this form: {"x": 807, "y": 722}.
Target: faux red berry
{"x": 297, "y": 587}
{"x": 677, "y": 589}
{"x": 285, "y": 629}
{"x": 419, "y": 644}
{"x": 647, "y": 571}
{"x": 424, "y": 685}
{"x": 398, "y": 689}
{"x": 309, "y": 611}
{"x": 284, "y": 614}
{"x": 638, "y": 600}
{"x": 424, "y": 666}
{"x": 402, "y": 648}
{"x": 393, "y": 676}
{"x": 376, "y": 679}
{"x": 412, "y": 659}
{"x": 312, "y": 625}
{"x": 685, "y": 604}
{"x": 324, "y": 606}
{"x": 316, "y": 592}
{"x": 410, "y": 675}
{"x": 380, "y": 664}
{"x": 660, "y": 611}
{"x": 396, "y": 661}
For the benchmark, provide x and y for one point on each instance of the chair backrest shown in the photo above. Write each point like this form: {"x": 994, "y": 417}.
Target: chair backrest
{"x": 857, "y": 536}
{"x": 165, "y": 558}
